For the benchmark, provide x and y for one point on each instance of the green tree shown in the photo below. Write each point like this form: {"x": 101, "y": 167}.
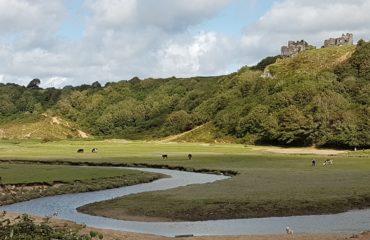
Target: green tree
{"x": 179, "y": 121}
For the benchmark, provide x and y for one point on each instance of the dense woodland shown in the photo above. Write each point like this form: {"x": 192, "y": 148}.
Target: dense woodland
{"x": 321, "y": 97}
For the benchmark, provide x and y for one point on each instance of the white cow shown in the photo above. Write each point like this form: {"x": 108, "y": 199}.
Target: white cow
{"x": 328, "y": 162}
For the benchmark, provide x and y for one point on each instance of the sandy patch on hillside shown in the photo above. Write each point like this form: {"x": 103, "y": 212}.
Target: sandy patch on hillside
{"x": 113, "y": 234}
{"x": 82, "y": 134}
{"x": 344, "y": 57}
{"x": 175, "y": 137}
{"x": 55, "y": 120}
{"x": 300, "y": 150}
{"x": 117, "y": 140}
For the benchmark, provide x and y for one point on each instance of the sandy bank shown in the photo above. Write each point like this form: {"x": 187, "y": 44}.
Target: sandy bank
{"x": 113, "y": 234}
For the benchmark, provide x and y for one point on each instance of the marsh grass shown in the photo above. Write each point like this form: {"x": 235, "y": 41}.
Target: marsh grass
{"x": 267, "y": 184}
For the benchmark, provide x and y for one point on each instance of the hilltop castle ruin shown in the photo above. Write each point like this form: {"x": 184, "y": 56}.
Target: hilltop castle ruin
{"x": 294, "y": 48}
{"x": 345, "y": 39}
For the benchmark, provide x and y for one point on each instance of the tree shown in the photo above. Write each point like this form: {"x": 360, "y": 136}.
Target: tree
{"x": 179, "y": 121}
{"x": 34, "y": 83}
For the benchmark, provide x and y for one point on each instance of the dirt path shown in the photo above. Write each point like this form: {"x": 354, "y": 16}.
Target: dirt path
{"x": 174, "y": 137}
{"x": 114, "y": 235}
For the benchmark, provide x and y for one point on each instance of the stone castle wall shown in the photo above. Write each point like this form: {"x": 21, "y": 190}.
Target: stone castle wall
{"x": 345, "y": 39}
{"x": 294, "y": 48}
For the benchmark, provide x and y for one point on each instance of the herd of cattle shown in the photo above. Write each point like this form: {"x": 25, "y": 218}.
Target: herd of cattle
{"x": 325, "y": 163}
{"x": 95, "y": 150}
{"x": 190, "y": 156}
{"x": 81, "y": 150}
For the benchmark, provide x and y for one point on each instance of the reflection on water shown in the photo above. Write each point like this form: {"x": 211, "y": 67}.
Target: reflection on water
{"x": 65, "y": 205}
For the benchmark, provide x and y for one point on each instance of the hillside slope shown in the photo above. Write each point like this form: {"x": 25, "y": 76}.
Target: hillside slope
{"x": 40, "y": 127}
{"x": 321, "y": 97}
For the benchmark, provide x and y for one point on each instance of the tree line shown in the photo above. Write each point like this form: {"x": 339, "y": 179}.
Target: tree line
{"x": 323, "y": 106}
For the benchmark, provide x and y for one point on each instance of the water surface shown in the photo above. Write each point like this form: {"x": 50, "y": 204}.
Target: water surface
{"x": 65, "y": 206}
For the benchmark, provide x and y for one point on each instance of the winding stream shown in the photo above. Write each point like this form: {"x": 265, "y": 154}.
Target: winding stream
{"x": 65, "y": 205}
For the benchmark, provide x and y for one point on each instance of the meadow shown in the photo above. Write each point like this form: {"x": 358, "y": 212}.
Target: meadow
{"x": 32, "y": 173}
{"x": 267, "y": 184}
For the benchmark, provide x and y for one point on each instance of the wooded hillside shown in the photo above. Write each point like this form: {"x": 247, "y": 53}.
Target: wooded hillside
{"x": 321, "y": 97}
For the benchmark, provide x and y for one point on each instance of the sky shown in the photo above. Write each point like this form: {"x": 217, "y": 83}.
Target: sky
{"x": 74, "y": 42}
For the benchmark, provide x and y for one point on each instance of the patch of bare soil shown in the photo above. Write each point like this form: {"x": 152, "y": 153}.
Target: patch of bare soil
{"x": 344, "y": 57}
{"x": 300, "y": 150}
{"x": 59, "y": 121}
{"x": 82, "y": 134}
{"x": 174, "y": 137}
{"x": 55, "y": 120}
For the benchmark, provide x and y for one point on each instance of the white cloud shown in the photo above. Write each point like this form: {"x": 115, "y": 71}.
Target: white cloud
{"x": 164, "y": 14}
{"x": 207, "y": 53}
{"x": 178, "y": 58}
{"x": 151, "y": 38}
{"x": 30, "y": 15}
{"x": 312, "y": 20}
{"x": 112, "y": 12}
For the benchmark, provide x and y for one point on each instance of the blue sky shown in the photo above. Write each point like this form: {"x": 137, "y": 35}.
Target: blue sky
{"x": 231, "y": 20}
{"x": 72, "y": 42}
{"x": 236, "y": 17}
{"x": 74, "y": 25}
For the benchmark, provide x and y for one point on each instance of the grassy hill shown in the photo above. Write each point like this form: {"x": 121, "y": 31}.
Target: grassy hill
{"x": 39, "y": 127}
{"x": 321, "y": 97}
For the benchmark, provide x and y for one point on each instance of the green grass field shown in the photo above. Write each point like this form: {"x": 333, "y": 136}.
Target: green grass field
{"x": 28, "y": 173}
{"x": 268, "y": 184}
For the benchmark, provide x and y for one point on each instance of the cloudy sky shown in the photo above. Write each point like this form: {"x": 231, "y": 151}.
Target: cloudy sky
{"x": 70, "y": 42}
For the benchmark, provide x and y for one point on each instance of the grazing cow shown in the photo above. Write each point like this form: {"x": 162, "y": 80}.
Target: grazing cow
{"x": 94, "y": 150}
{"x": 313, "y": 163}
{"x": 164, "y": 156}
{"x": 288, "y": 231}
{"x": 81, "y": 150}
{"x": 328, "y": 162}
{"x": 190, "y": 156}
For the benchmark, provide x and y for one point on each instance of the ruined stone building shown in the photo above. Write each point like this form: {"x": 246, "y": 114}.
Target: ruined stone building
{"x": 294, "y": 48}
{"x": 345, "y": 39}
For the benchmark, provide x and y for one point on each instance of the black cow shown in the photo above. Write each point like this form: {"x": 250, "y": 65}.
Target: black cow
{"x": 164, "y": 156}
{"x": 313, "y": 163}
{"x": 81, "y": 150}
{"x": 94, "y": 150}
{"x": 190, "y": 156}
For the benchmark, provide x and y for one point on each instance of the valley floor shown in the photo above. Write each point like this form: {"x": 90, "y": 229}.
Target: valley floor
{"x": 267, "y": 184}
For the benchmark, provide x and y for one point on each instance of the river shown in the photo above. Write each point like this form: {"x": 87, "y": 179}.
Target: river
{"x": 65, "y": 205}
